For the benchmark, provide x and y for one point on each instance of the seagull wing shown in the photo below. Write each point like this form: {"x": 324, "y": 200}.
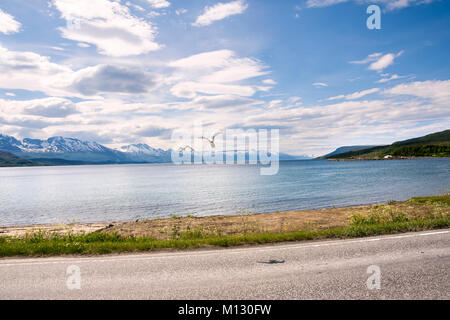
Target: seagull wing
{"x": 215, "y": 135}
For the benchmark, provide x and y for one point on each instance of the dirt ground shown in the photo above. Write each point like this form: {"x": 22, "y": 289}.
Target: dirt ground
{"x": 237, "y": 225}
{"x": 61, "y": 229}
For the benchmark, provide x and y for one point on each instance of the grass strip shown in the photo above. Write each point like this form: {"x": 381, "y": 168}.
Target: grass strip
{"x": 41, "y": 244}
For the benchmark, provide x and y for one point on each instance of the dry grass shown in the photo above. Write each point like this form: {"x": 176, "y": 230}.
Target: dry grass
{"x": 285, "y": 222}
{"x": 61, "y": 229}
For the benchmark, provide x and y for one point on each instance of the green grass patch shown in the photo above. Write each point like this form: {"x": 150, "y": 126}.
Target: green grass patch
{"x": 444, "y": 199}
{"x": 41, "y": 244}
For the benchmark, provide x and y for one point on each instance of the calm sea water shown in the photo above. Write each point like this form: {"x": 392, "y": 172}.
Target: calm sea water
{"x": 128, "y": 192}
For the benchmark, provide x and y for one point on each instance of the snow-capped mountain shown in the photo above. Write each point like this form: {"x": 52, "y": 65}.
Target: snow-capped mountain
{"x": 8, "y": 143}
{"x": 141, "y": 149}
{"x": 61, "y": 145}
{"x": 92, "y": 152}
{"x": 144, "y": 153}
{"x": 86, "y": 151}
{"x": 51, "y": 145}
{"x": 61, "y": 148}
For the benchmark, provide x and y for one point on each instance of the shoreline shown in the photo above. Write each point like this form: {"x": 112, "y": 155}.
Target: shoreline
{"x": 181, "y": 233}
{"x": 286, "y": 221}
{"x": 94, "y": 224}
{"x": 379, "y": 159}
{"x": 168, "y": 163}
{"x": 90, "y": 227}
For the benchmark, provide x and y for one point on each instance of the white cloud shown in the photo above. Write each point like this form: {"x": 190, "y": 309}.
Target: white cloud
{"x": 323, "y": 3}
{"x": 270, "y": 82}
{"x": 389, "y": 4}
{"x": 214, "y": 73}
{"x": 384, "y": 62}
{"x": 370, "y": 58}
{"x": 112, "y": 79}
{"x": 378, "y": 61}
{"x": 315, "y": 128}
{"x": 36, "y": 114}
{"x": 236, "y": 69}
{"x": 320, "y": 84}
{"x": 33, "y": 72}
{"x": 339, "y": 97}
{"x": 294, "y": 100}
{"x": 108, "y": 25}
{"x": 180, "y": 11}
{"x": 275, "y": 103}
{"x": 222, "y": 102}
{"x": 8, "y": 24}
{"x": 135, "y": 6}
{"x": 58, "y": 48}
{"x": 355, "y": 95}
{"x": 159, "y": 3}
{"x": 400, "y": 4}
{"x": 190, "y": 89}
{"x": 50, "y": 107}
{"x": 220, "y": 11}
{"x": 436, "y": 90}
{"x": 212, "y": 59}
{"x": 393, "y": 77}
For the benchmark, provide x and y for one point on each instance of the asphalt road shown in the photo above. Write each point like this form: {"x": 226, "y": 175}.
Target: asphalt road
{"x": 412, "y": 266}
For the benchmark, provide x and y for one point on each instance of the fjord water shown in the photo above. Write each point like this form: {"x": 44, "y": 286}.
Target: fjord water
{"x": 39, "y": 195}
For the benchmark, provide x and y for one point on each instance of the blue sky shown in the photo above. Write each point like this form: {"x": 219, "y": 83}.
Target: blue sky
{"x": 121, "y": 72}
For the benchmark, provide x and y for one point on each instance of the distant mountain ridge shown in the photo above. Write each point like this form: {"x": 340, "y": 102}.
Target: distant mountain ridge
{"x": 51, "y": 145}
{"x": 71, "y": 149}
{"x": 8, "y": 159}
{"x": 144, "y": 153}
{"x": 347, "y": 149}
{"x": 432, "y": 145}
{"x": 60, "y": 148}
{"x": 68, "y": 151}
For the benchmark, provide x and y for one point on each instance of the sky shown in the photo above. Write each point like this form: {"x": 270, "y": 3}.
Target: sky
{"x": 123, "y": 72}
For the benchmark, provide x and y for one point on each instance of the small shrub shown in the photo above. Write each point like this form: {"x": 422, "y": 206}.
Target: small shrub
{"x": 193, "y": 235}
{"x": 175, "y": 232}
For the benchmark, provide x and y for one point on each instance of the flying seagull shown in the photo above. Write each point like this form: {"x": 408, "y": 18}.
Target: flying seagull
{"x": 211, "y": 141}
{"x": 186, "y": 147}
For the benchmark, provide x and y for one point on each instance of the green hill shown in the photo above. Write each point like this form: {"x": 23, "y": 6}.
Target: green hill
{"x": 347, "y": 149}
{"x": 9, "y": 160}
{"x": 432, "y": 145}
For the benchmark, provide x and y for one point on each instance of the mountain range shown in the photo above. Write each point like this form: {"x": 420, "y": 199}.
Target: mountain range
{"x": 345, "y": 149}
{"x": 67, "y": 151}
{"x": 432, "y": 145}
{"x": 71, "y": 149}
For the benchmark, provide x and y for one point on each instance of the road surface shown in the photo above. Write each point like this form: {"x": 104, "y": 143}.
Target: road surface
{"x": 411, "y": 266}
